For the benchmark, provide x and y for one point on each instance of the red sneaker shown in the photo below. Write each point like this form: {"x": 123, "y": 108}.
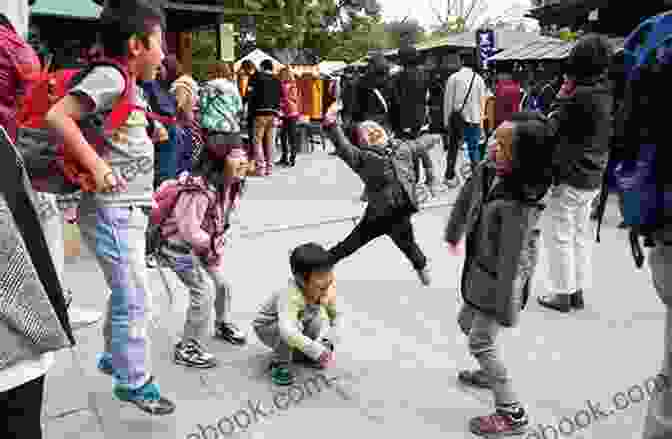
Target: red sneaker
{"x": 500, "y": 424}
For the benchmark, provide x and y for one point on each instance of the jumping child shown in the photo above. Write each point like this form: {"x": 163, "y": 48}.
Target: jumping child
{"x": 300, "y": 323}
{"x": 194, "y": 236}
{"x": 387, "y": 168}
{"x": 498, "y": 211}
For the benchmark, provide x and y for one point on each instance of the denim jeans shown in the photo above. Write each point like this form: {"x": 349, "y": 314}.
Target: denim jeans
{"x": 570, "y": 239}
{"x": 482, "y": 330}
{"x": 658, "y": 423}
{"x": 203, "y": 283}
{"x": 472, "y": 137}
{"x": 116, "y": 235}
{"x": 52, "y": 227}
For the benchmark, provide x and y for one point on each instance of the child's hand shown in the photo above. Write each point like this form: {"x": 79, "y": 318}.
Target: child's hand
{"x": 327, "y": 359}
{"x": 456, "y": 248}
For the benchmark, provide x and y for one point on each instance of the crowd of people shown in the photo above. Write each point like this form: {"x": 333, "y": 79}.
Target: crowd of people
{"x": 165, "y": 186}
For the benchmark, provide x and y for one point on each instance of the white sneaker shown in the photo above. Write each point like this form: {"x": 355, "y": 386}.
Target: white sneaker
{"x": 83, "y": 318}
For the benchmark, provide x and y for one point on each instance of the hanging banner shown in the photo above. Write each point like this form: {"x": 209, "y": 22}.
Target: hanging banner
{"x": 485, "y": 41}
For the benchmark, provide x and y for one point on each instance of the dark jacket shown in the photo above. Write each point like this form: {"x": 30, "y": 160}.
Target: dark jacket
{"x": 502, "y": 238}
{"x": 582, "y": 126}
{"x": 371, "y": 105}
{"x": 388, "y": 172}
{"x": 409, "y": 100}
{"x": 264, "y": 94}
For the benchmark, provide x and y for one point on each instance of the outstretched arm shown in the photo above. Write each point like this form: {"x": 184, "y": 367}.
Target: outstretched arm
{"x": 348, "y": 152}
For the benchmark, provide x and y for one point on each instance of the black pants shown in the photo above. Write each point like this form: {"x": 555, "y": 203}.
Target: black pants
{"x": 397, "y": 227}
{"x": 422, "y": 158}
{"x": 289, "y": 139}
{"x": 21, "y": 409}
{"x": 452, "y": 149}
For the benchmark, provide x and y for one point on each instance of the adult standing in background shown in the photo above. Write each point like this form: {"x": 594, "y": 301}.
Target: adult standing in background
{"x": 264, "y": 92}
{"x": 464, "y": 92}
{"x": 581, "y": 123}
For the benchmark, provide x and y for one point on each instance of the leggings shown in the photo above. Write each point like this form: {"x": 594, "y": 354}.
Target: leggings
{"x": 397, "y": 227}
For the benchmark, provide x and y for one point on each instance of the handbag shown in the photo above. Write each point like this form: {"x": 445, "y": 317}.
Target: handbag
{"x": 457, "y": 122}
{"x": 32, "y": 305}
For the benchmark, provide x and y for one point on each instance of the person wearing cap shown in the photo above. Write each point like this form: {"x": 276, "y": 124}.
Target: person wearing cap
{"x": 195, "y": 235}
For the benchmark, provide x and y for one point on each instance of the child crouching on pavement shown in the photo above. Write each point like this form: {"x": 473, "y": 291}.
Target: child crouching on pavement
{"x": 498, "y": 211}
{"x": 300, "y": 323}
{"x": 194, "y": 236}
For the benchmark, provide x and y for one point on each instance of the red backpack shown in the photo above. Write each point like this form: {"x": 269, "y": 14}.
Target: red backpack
{"x": 44, "y": 156}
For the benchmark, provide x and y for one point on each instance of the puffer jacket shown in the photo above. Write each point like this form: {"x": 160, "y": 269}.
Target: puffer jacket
{"x": 17, "y": 59}
{"x": 502, "y": 238}
{"x": 582, "y": 126}
{"x": 388, "y": 172}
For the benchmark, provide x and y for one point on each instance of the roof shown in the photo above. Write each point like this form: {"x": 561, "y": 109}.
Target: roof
{"x": 83, "y": 9}
{"x": 504, "y": 39}
{"x": 544, "y": 48}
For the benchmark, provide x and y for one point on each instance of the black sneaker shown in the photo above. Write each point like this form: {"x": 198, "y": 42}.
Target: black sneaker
{"x": 230, "y": 333}
{"x": 192, "y": 354}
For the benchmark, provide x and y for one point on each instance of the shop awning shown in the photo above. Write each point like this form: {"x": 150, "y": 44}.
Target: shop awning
{"x": 504, "y": 39}
{"x": 79, "y": 9}
{"x": 545, "y": 49}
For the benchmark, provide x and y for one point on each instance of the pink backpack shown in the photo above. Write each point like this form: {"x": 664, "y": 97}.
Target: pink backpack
{"x": 167, "y": 195}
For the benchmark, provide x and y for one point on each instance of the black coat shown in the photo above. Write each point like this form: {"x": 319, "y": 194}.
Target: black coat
{"x": 264, "y": 93}
{"x": 582, "y": 129}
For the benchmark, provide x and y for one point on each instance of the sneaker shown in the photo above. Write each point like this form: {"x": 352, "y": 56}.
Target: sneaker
{"x": 230, "y": 333}
{"x": 83, "y": 318}
{"x": 576, "y": 300}
{"x": 501, "y": 423}
{"x": 558, "y": 302}
{"x": 281, "y": 374}
{"x": 150, "y": 261}
{"x": 193, "y": 354}
{"x": 104, "y": 363}
{"x": 424, "y": 277}
{"x": 147, "y": 398}
{"x": 304, "y": 360}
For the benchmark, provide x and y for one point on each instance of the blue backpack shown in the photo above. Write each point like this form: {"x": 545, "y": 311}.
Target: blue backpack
{"x": 641, "y": 174}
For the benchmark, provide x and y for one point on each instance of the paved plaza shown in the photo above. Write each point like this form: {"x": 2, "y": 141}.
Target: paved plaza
{"x": 395, "y": 373}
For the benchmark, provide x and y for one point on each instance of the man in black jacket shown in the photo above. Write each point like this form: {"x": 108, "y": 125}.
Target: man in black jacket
{"x": 264, "y": 93}
{"x": 409, "y": 96}
{"x": 581, "y": 122}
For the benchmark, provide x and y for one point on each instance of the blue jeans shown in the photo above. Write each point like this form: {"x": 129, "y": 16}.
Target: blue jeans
{"x": 116, "y": 235}
{"x": 472, "y": 137}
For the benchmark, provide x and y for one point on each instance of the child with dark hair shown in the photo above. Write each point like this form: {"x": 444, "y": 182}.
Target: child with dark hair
{"x": 300, "y": 323}
{"x": 498, "y": 210}
{"x": 195, "y": 235}
{"x": 113, "y": 217}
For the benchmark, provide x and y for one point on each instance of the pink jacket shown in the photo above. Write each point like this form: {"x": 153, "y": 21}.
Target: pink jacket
{"x": 193, "y": 222}
{"x": 17, "y": 59}
{"x": 289, "y": 100}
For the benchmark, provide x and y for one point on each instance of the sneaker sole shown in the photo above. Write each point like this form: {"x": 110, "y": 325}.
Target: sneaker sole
{"x": 236, "y": 342}
{"x": 194, "y": 366}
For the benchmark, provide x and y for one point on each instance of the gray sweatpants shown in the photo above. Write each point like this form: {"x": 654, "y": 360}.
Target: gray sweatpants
{"x": 311, "y": 326}
{"x": 482, "y": 331}
{"x": 204, "y": 284}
